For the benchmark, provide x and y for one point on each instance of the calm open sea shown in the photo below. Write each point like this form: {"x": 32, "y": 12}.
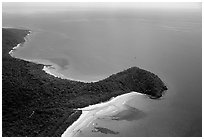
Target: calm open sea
{"x": 91, "y": 45}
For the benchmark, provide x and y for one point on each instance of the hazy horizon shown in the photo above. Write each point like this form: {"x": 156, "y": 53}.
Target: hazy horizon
{"x": 94, "y": 40}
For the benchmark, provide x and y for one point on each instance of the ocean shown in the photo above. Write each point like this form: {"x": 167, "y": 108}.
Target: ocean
{"x": 89, "y": 45}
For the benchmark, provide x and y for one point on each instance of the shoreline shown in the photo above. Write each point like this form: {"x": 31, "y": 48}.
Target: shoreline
{"x": 39, "y": 94}
{"x": 52, "y": 69}
{"x": 19, "y": 45}
{"x": 46, "y": 68}
{"x": 49, "y": 67}
{"x": 92, "y": 112}
{"x": 86, "y": 110}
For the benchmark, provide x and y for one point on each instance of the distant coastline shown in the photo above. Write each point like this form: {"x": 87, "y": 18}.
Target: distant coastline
{"x": 19, "y": 45}
{"x": 35, "y": 103}
{"x": 49, "y": 67}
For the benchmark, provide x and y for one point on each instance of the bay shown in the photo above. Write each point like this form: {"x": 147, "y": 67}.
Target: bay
{"x": 91, "y": 45}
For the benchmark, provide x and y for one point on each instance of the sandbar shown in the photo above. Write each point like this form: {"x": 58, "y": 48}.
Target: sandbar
{"x": 92, "y": 112}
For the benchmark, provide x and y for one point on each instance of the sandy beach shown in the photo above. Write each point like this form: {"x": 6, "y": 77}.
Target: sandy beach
{"x": 18, "y": 45}
{"x": 14, "y": 48}
{"x": 50, "y": 67}
{"x": 53, "y": 70}
{"x": 92, "y": 112}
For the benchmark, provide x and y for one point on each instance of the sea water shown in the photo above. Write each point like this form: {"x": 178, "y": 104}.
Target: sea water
{"x": 90, "y": 45}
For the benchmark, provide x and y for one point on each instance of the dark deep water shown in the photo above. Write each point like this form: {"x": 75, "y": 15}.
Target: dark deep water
{"x": 89, "y": 46}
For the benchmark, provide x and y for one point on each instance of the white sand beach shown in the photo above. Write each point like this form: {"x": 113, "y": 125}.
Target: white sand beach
{"x": 49, "y": 67}
{"x": 14, "y": 48}
{"x": 92, "y": 112}
{"x": 18, "y": 45}
{"x": 53, "y": 70}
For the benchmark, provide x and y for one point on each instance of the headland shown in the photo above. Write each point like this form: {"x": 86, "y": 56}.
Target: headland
{"x": 35, "y": 103}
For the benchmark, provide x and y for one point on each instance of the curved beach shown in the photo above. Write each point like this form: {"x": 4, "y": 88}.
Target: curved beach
{"x": 92, "y": 112}
{"x": 66, "y": 68}
{"x": 19, "y": 45}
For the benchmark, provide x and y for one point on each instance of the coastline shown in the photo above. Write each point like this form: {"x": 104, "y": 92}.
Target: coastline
{"x": 47, "y": 70}
{"x": 86, "y": 111}
{"x": 19, "y": 45}
{"x": 49, "y": 67}
{"x": 40, "y": 94}
{"x": 92, "y": 112}
{"x": 52, "y": 69}
{"x": 47, "y": 64}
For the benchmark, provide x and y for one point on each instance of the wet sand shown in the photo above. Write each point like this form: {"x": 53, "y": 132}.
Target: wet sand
{"x": 19, "y": 45}
{"x": 108, "y": 109}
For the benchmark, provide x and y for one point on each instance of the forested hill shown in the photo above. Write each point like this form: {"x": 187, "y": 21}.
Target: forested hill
{"x": 35, "y": 103}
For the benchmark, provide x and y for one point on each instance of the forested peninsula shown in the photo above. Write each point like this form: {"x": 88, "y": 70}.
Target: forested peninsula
{"x": 35, "y": 103}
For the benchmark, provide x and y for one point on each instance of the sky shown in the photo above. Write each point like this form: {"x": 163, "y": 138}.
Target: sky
{"x": 33, "y": 7}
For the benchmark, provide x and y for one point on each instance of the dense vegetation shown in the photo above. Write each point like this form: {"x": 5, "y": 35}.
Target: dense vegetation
{"x": 35, "y": 103}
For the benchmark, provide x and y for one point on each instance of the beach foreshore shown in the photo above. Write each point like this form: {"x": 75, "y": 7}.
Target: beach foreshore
{"x": 49, "y": 67}
{"x": 92, "y": 112}
{"x": 19, "y": 45}
{"x": 53, "y": 70}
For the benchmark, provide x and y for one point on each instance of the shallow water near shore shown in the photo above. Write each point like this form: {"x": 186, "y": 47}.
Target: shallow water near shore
{"x": 90, "y": 46}
{"x": 116, "y": 109}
